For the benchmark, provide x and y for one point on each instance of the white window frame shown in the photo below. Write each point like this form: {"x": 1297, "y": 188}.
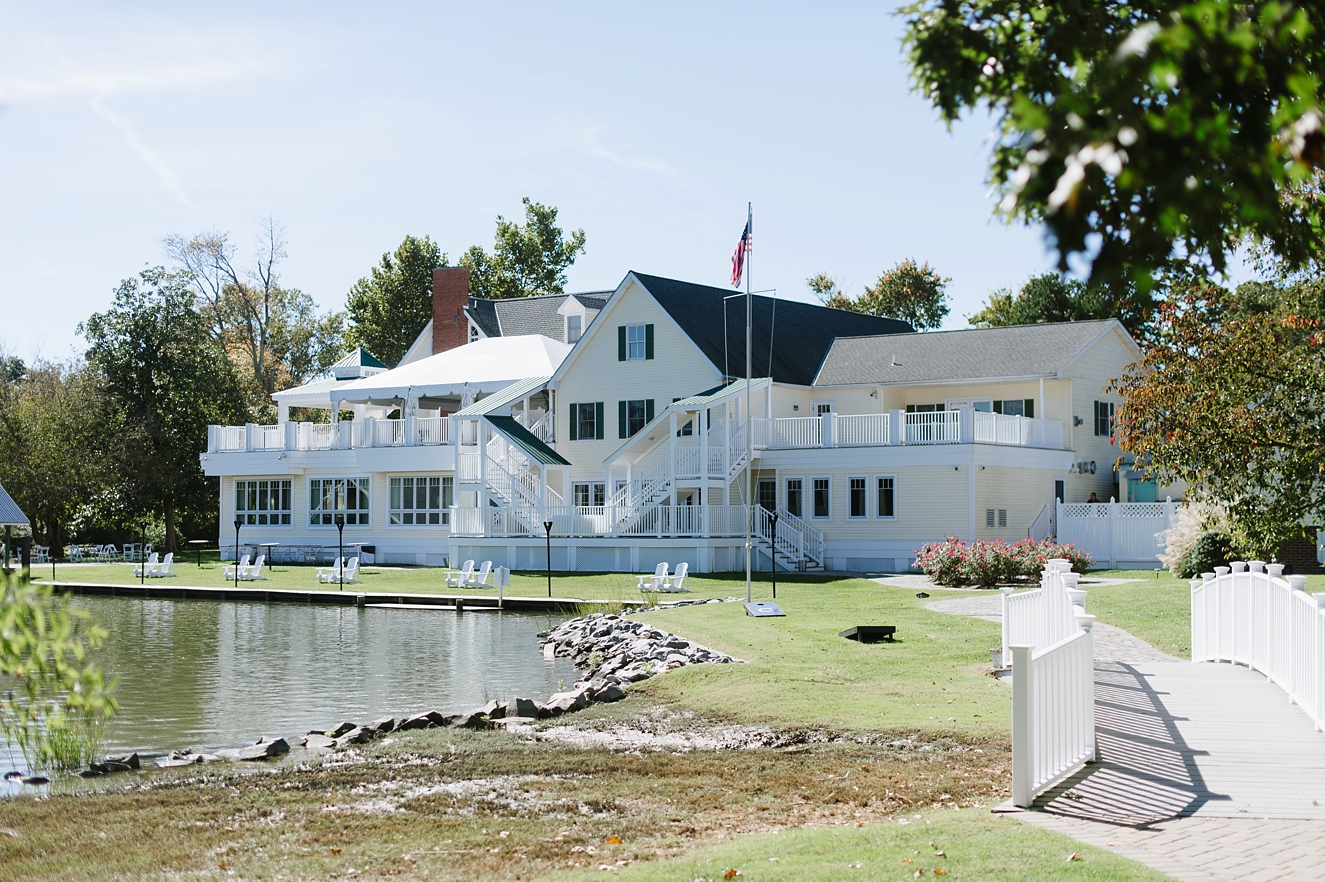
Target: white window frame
{"x": 830, "y": 403}
{"x": 642, "y": 342}
{"x": 865, "y": 489}
{"x": 579, "y": 332}
{"x": 260, "y": 491}
{"x": 397, "y": 513}
{"x": 594, "y": 487}
{"x": 813, "y": 490}
{"x": 786, "y": 495}
{"x": 878, "y": 511}
{"x": 359, "y": 516}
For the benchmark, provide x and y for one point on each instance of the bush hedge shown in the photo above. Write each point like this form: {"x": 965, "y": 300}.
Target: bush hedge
{"x": 987, "y": 563}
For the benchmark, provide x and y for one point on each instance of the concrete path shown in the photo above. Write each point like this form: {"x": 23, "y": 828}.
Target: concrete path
{"x": 1206, "y": 772}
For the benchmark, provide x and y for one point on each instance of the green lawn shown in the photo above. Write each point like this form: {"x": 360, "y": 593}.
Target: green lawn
{"x": 969, "y": 844}
{"x": 1158, "y": 610}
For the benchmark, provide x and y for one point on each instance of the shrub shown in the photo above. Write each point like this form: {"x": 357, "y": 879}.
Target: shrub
{"x": 988, "y": 563}
{"x": 1210, "y": 550}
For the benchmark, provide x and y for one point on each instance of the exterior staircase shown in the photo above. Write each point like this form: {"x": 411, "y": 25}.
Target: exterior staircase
{"x": 799, "y": 547}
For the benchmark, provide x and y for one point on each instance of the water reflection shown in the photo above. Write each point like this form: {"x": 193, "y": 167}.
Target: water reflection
{"x": 207, "y": 674}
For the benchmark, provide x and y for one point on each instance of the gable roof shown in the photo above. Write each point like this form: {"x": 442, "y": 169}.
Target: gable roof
{"x": 800, "y": 333}
{"x": 10, "y": 514}
{"x": 527, "y": 441}
{"x": 520, "y": 316}
{"x": 972, "y": 354}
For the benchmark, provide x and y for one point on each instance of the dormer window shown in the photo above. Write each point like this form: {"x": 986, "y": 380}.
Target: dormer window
{"x": 574, "y": 328}
{"x": 473, "y": 333}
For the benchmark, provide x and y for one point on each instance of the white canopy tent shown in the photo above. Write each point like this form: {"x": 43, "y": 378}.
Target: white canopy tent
{"x": 466, "y": 372}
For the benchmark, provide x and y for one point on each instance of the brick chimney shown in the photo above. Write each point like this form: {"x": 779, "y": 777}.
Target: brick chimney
{"x": 450, "y": 295}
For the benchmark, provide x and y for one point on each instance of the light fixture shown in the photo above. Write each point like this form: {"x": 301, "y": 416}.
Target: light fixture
{"x": 1076, "y": 421}
{"x": 795, "y": 407}
{"x": 874, "y": 393}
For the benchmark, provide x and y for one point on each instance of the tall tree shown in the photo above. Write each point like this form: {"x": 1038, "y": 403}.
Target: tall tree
{"x": 167, "y": 379}
{"x": 389, "y": 307}
{"x": 54, "y": 445}
{"x": 275, "y": 335}
{"x": 1140, "y": 133}
{"x": 1051, "y": 297}
{"x": 1230, "y": 398}
{"x": 911, "y": 292}
{"x": 525, "y": 260}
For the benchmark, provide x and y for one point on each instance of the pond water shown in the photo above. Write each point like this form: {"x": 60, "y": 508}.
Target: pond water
{"x": 204, "y": 674}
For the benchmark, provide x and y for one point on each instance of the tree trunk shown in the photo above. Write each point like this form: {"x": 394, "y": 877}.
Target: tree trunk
{"x": 170, "y": 523}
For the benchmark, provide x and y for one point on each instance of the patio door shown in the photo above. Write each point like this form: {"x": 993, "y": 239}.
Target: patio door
{"x": 768, "y": 494}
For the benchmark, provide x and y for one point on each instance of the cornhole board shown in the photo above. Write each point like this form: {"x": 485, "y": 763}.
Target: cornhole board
{"x": 763, "y": 609}
{"x": 869, "y": 633}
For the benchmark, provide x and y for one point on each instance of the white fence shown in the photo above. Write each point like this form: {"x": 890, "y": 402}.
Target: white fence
{"x": 1117, "y": 534}
{"x": 1047, "y": 639}
{"x": 1257, "y": 618}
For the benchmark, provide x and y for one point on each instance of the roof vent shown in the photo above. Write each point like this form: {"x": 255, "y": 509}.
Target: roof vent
{"x": 895, "y": 364}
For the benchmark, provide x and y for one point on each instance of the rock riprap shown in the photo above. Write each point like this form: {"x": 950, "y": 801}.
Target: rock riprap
{"x": 614, "y": 650}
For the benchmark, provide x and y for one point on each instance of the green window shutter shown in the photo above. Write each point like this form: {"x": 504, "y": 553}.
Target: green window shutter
{"x": 620, "y": 342}
{"x": 574, "y": 422}
{"x": 648, "y": 410}
{"x": 648, "y": 341}
{"x": 621, "y": 419}
{"x": 598, "y": 423}
{"x": 1029, "y": 407}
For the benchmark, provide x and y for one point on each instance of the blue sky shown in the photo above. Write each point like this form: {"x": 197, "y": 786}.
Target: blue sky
{"x": 648, "y": 125}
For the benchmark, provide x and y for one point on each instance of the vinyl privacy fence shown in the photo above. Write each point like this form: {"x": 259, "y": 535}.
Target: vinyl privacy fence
{"x": 1047, "y": 641}
{"x": 1250, "y": 614}
{"x": 1117, "y": 534}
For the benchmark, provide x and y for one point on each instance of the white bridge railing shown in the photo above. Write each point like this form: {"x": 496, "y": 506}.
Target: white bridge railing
{"x": 1047, "y": 639}
{"x": 1258, "y": 618}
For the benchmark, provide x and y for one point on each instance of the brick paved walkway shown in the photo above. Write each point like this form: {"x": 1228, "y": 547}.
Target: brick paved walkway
{"x": 1207, "y": 772}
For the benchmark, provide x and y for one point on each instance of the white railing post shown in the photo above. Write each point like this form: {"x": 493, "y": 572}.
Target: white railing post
{"x": 828, "y": 424}
{"x": 1023, "y": 729}
{"x": 896, "y": 427}
{"x": 1113, "y": 542}
{"x": 966, "y": 425}
{"x": 291, "y": 435}
{"x": 213, "y": 438}
{"x": 1006, "y": 593}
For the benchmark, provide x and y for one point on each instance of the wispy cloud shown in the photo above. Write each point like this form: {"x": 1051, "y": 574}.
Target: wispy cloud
{"x": 591, "y": 141}
{"x": 164, "y": 172}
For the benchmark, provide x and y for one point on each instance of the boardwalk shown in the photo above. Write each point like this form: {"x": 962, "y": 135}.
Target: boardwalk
{"x": 1206, "y": 773}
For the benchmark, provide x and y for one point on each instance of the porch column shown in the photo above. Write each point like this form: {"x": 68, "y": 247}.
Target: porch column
{"x": 671, "y": 450}
{"x": 701, "y": 428}
{"x": 1042, "y": 413}
{"x": 283, "y": 412}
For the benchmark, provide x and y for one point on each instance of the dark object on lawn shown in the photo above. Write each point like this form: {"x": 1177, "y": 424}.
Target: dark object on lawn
{"x": 869, "y": 633}
{"x": 763, "y": 609}
{"x": 922, "y": 594}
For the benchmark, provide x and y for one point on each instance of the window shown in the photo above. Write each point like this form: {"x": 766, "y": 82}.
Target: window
{"x": 856, "y": 504}
{"x": 823, "y": 408}
{"x": 885, "y": 502}
{"x": 329, "y": 497}
{"x": 1103, "y": 418}
{"x": 574, "y": 328}
{"x": 266, "y": 503}
{"x": 634, "y": 342}
{"x": 1002, "y": 518}
{"x": 821, "y": 497}
{"x": 473, "y": 333}
{"x": 589, "y": 493}
{"x": 586, "y": 421}
{"x": 633, "y": 416}
{"x": 924, "y": 408}
{"x": 989, "y": 518}
{"x": 768, "y": 494}
{"x": 1015, "y": 407}
{"x": 421, "y": 500}
{"x": 795, "y": 497}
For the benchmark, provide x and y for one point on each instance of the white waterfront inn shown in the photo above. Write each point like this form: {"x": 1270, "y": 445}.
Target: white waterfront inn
{"x": 616, "y": 417}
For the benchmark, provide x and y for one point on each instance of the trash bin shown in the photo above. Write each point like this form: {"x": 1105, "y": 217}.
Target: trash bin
{"x": 367, "y": 554}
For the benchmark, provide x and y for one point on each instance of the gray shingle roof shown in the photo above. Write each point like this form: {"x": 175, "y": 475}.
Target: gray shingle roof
{"x": 972, "y": 354}
{"x": 802, "y": 332}
{"x": 10, "y": 514}
{"x": 518, "y": 316}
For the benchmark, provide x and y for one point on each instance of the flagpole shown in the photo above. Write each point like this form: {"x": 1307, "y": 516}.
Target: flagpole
{"x": 749, "y": 423}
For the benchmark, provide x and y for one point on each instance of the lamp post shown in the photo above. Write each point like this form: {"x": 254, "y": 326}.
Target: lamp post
{"x": 238, "y": 524}
{"x": 773, "y": 552}
{"x": 547, "y": 527}
{"x": 340, "y": 549}
{"x": 142, "y": 556}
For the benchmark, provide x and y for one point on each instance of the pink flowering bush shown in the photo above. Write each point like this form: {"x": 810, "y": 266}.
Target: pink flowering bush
{"x": 987, "y": 563}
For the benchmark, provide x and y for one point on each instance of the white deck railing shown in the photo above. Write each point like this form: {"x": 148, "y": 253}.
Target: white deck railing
{"x": 1047, "y": 640}
{"x": 898, "y": 428}
{"x": 1267, "y": 622}
{"x": 589, "y": 521}
{"x": 432, "y": 430}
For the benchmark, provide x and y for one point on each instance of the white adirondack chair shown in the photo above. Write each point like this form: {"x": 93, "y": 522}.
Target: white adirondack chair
{"x": 479, "y": 579}
{"x": 167, "y": 566}
{"x": 331, "y": 573}
{"x": 351, "y": 571}
{"x": 147, "y": 568}
{"x": 241, "y": 566}
{"x": 254, "y": 573}
{"x": 676, "y": 583}
{"x": 656, "y": 581}
{"x": 458, "y": 578}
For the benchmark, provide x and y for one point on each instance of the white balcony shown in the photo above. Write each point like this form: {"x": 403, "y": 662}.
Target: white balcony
{"x": 365, "y": 433}
{"x": 900, "y": 428}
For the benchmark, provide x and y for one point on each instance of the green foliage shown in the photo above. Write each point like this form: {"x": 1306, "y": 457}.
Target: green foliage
{"x": 1230, "y": 399}
{"x": 1053, "y": 298}
{"x": 525, "y": 260}
{"x": 167, "y": 380}
{"x": 909, "y": 292}
{"x": 55, "y": 702}
{"x": 389, "y": 307}
{"x": 1211, "y": 549}
{"x": 1140, "y": 133}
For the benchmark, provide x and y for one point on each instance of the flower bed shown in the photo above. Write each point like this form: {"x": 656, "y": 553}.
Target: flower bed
{"x": 986, "y": 564}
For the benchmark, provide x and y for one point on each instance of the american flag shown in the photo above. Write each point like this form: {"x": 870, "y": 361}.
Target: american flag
{"x": 738, "y": 259}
